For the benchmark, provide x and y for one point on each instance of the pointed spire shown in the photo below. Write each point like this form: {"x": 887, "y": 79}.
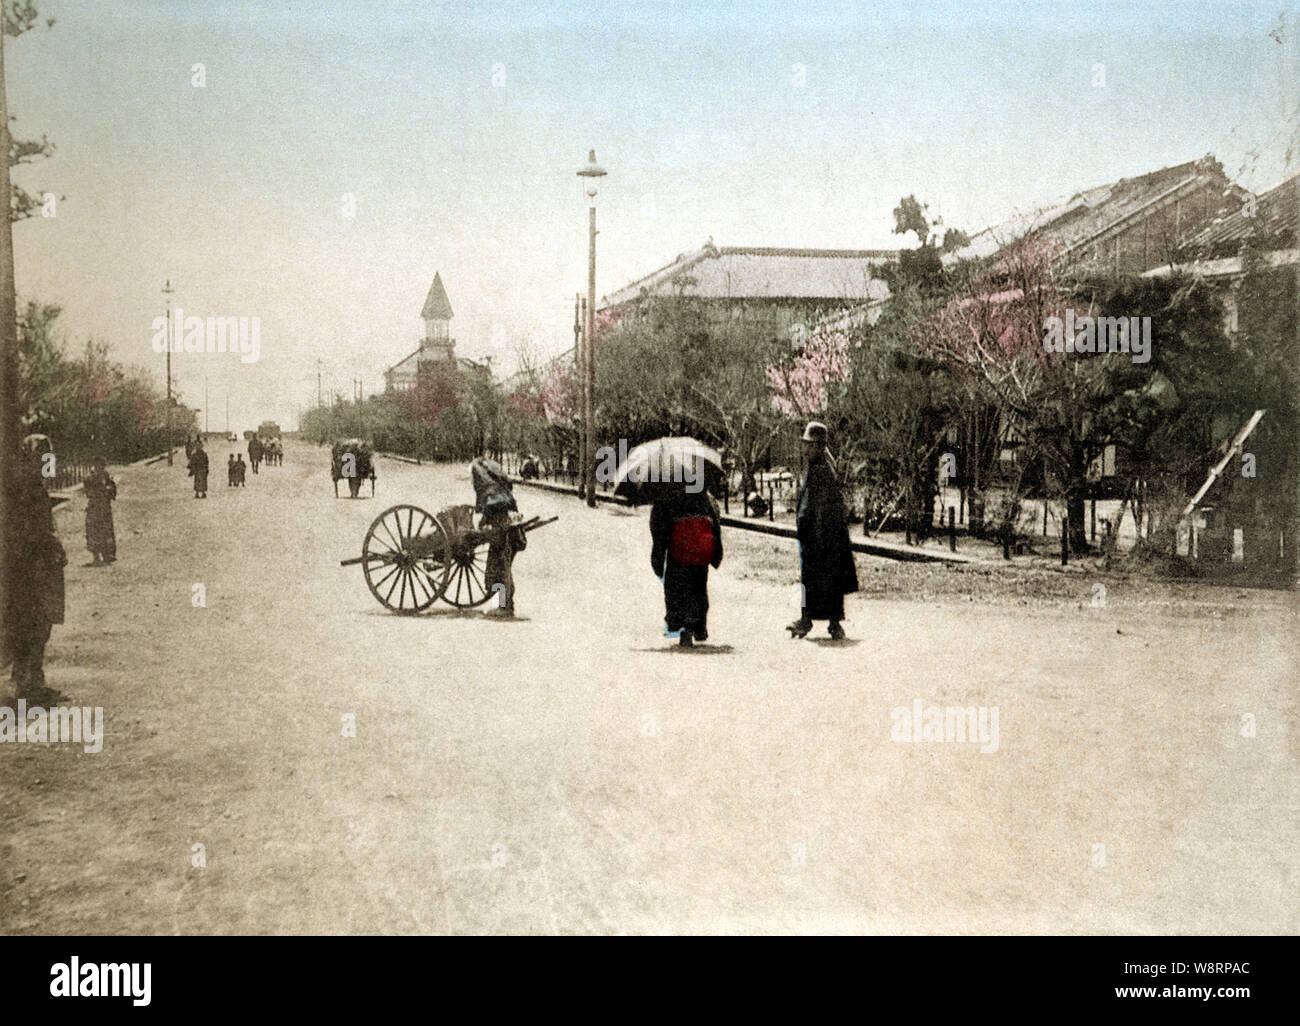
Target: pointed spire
{"x": 436, "y": 304}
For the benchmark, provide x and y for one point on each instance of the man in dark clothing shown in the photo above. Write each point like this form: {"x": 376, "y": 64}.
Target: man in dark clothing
{"x": 495, "y": 499}
{"x": 199, "y": 471}
{"x": 826, "y": 565}
{"x": 100, "y": 491}
{"x": 686, "y": 539}
{"x": 37, "y": 560}
{"x": 255, "y": 452}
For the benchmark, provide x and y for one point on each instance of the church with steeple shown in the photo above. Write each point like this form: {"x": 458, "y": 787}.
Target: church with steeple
{"x": 437, "y": 351}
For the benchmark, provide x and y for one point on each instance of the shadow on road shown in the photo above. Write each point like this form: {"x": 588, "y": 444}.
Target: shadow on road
{"x": 692, "y": 650}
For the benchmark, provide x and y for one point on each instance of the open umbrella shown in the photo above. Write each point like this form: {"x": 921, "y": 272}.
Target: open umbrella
{"x": 667, "y": 466}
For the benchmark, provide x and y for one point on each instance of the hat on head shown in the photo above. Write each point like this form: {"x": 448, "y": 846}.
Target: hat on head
{"x": 815, "y": 432}
{"x": 38, "y": 445}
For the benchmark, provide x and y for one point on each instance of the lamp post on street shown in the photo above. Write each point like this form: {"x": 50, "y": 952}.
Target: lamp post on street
{"x": 167, "y": 291}
{"x": 591, "y": 173}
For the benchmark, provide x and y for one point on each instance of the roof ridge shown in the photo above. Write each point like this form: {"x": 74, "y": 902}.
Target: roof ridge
{"x": 798, "y": 251}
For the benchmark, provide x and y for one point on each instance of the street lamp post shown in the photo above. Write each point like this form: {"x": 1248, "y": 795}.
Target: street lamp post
{"x": 591, "y": 173}
{"x": 167, "y": 291}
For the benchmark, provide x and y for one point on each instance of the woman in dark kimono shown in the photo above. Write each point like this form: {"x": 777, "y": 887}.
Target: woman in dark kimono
{"x": 100, "y": 491}
{"x": 199, "y": 470}
{"x": 37, "y": 559}
{"x": 686, "y": 539}
{"x": 826, "y": 566}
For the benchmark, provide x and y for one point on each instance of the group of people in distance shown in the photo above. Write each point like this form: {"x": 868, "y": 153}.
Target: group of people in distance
{"x": 271, "y": 451}
{"x": 686, "y": 540}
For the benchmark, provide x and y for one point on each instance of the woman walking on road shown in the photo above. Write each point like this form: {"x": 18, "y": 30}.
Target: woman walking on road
{"x": 686, "y": 539}
{"x": 199, "y": 471}
{"x": 100, "y": 491}
{"x": 826, "y": 565}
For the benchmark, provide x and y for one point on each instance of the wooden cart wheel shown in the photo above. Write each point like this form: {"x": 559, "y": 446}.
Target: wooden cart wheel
{"x": 467, "y": 577}
{"x": 406, "y": 559}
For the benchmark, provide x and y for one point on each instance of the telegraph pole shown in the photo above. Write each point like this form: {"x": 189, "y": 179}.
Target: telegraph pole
{"x": 591, "y": 173}
{"x": 589, "y": 469}
{"x": 9, "y": 417}
{"x": 580, "y": 359}
{"x": 167, "y": 291}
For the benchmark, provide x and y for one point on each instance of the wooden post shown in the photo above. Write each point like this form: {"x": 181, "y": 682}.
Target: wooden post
{"x": 1065, "y": 540}
{"x": 10, "y": 437}
{"x": 771, "y": 501}
{"x": 589, "y": 451}
{"x": 952, "y": 529}
{"x": 1044, "y": 516}
{"x": 579, "y": 355}
{"x": 1094, "y": 518}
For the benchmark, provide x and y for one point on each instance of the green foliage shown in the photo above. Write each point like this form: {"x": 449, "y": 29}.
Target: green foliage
{"x": 21, "y": 16}
{"x": 684, "y": 366}
{"x": 891, "y": 414}
{"x": 447, "y": 415}
{"x": 1269, "y": 321}
{"x": 88, "y": 406}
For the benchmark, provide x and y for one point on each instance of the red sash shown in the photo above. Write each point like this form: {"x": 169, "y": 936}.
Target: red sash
{"x": 691, "y": 543}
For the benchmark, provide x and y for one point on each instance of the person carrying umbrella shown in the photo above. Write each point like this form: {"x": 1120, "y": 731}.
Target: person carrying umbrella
{"x": 685, "y": 526}
{"x": 686, "y": 539}
{"x": 826, "y": 566}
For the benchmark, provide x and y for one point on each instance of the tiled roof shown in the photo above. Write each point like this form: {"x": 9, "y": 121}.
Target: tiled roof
{"x": 1092, "y": 212}
{"x": 1274, "y": 225}
{"x": 436, "y": 304}
{"x": 739, "y": 272}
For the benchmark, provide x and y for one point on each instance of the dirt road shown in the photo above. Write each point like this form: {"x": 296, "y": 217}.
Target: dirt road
{"x": 571, "y": 771}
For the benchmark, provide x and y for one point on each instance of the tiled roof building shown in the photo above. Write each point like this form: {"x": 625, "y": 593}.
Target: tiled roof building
{"x": 1128, "y": 226}
{"x": 822, "y": 277}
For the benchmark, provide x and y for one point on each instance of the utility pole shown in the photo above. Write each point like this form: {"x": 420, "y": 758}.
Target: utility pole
{"x": 167, "y": 291}
{"x": 9, "y": 416}
{"x": 591, "y": 173}
{"x": 319, "y": 401}
{"x": 580, "y": 359}
{"x": 589, "y": 467}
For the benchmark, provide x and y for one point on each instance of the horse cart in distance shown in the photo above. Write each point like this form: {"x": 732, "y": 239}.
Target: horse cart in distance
{"x": 352, "y": 460}
{"x": 412, "y": 558}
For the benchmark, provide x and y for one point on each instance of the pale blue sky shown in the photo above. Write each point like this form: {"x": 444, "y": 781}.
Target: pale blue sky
{"x": 235, "y": 190}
